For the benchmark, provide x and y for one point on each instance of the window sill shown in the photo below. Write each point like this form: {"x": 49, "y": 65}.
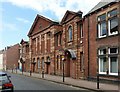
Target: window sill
{"x": 113, "y": 35}
{"x": 106, "y": 37}
{"x": 101, "y": 38}
{"x": 102, "y": 73}
{"x": 113, "y": 74}
{"x": 108, "y": 75}
{"x": 69, "y": 41}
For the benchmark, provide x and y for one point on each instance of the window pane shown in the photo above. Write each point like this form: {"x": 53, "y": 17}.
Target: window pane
{"x": 102, "y": 17}
{"x": 113, "y": 65}
{"x": 42, "y": 63}
{"x": 38, "y": 63}
{"x": 103, "y": 64}
{"x": 60, "y": 39}
{"x": 57, "y": 40}
{"x": 102, "y": 52}
{"x": 112, "y": 13}
{"x": 3, "y": 78}
{"x": 70, "y": 33}
{"x": 113, "y": 50}
{"x": 113, "y": 25}
{"x": 103, "y": 30}
{"x": 81, "y": 31}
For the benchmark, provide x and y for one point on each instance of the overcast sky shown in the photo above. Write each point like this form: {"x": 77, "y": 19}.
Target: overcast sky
{"x": 18, "y": 15}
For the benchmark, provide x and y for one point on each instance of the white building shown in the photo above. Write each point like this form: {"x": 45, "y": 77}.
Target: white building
{"x": 1, "y": 61}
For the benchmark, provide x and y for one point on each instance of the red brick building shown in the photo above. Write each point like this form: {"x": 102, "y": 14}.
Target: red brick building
{"x": 85, "y": 46}
{"x": 24, "y": 60}
{"x": 70, "y": 45}
{"x": 41, "y": 44}
{"x": 50, "y": 41}
{"x": 11, "y": 56}
{"x": 101, "y": 43}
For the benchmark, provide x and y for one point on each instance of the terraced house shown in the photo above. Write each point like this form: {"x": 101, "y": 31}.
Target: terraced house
{"x": 24, "y": 60}
{"x": 10, "y": 61}
{"x": 82, "y": 46}
{"x": 102, "y": 28}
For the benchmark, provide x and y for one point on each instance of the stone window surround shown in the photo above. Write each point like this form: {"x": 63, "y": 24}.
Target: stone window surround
{"x": 107, "y": 20}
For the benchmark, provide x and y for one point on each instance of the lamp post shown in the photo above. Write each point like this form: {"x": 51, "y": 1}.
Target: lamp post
{"x": 42, "y": 73}
{"x": 97, "y": 74}
{"x": 97, "y": 80}
{"x": 63, "y": 59}
{"x": 42, "y": 68}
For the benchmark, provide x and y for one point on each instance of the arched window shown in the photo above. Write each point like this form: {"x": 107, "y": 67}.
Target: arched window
{"x": 70, "y": 33}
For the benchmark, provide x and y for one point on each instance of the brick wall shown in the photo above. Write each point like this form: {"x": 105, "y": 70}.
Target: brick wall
{"x": 12, "y": 56}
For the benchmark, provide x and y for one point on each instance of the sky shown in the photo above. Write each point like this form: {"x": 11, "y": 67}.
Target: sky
{"x": 17, "y": 16}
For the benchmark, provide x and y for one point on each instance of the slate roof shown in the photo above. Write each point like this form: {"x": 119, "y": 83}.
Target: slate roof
{"x": 101, "y": 4}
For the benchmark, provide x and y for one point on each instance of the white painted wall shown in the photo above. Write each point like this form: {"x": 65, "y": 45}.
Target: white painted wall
{"x": 20, "y": 65}
{"x": 1, "y": 61}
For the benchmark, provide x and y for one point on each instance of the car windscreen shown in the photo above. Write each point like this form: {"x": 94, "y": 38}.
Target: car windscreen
{"x": 3, "y": 79}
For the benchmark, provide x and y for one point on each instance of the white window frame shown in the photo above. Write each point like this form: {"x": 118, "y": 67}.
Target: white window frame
{"x": 110, "y": 68}
{"x": 109, "y": 33}
{"x": 99, "y": 31}
{"x": 100, "y": 68}
{"x": 100, "y": 51}
{"x": 110, "y": 60}
{"x": 112, "y": 53}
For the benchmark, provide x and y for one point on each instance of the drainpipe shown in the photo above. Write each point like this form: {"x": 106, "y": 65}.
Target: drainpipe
{"x": 119, "y": 46}
{"x": 88, "y": 49}
{"x": 77, "y": 23}
{"x": 54, "y": 54}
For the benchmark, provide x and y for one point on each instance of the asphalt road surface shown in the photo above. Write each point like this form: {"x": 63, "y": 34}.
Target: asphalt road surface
{"x": 22, "y": 82}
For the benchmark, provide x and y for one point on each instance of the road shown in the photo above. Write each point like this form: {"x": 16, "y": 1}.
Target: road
{"x": 22, "y": 82}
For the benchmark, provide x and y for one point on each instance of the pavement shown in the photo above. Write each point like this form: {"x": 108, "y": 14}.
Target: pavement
{"x": 90, "y": 85}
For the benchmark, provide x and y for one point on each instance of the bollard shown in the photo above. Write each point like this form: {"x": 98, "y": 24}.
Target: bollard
{"x": 97, "y": 81}
{"x": 63, "y": 70}
{"x": 42, "y": 74}
{"x": 16, "y": 70}
{"x": 12, "y": 70}
{"x": 30, "y": 72}
{"x": 22, "y": 72}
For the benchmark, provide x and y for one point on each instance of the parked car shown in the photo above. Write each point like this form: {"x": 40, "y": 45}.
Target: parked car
{"x": 5, "y": 83}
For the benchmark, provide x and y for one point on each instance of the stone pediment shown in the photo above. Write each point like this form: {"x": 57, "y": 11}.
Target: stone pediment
{"x": 69, "y": 15}
{"x": 39, "y": 24}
